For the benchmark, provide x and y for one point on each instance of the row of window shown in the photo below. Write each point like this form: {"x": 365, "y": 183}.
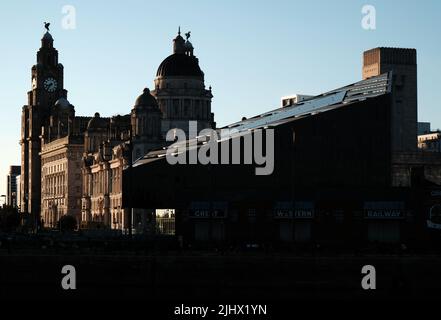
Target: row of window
{"x": 54, "y": 184}
{"x": 101, "y": 185}
{"x": 186, "y": 108}
{"x": 433, "y": 138}
{"x": 117, "y": 217}
{"x": 116, "y": 203}
{"x": 147, "y": 126}
{"x": 54, "y": 168}
{"x": 54, "y": 158}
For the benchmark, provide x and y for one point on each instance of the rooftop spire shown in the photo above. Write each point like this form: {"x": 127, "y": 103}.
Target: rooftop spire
{"x": 47, "y": 41}
{"x": 179, "y": 43}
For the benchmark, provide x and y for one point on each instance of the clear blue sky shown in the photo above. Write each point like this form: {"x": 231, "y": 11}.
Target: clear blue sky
{"x": 252, "y": 52}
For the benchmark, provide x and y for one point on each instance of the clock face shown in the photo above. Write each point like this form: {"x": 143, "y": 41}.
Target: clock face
{"x": 50, "y": 84}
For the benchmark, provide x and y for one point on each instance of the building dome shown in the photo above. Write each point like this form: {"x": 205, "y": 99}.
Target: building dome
{"x": 146, "y": 100}
{"x": 47, "y": 41}
{"x": 180, "y": 65}
{"x": 62, "y": 102}
{"x": 179, "y": 44}
{"x": 97, "y": 122}
{"x": 47, "y": 36}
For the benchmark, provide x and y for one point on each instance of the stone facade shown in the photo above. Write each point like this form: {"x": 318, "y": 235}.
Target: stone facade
{"x": 430, "y": 142}
{"x": 405, "y": 165}
{"x": 102, "y": 195}
{"x": 61, "y": 180}
{"x": 104, "y": 158}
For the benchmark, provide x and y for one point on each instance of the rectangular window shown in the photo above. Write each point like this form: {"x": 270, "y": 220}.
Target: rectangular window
{"x": 176, "y": 107}
{"x": 186, "y": 107}
{"x": 198, "y": 108}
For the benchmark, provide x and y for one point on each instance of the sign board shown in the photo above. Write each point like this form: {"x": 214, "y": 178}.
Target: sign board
{"x": 206, "y": 214}
{"x": 383, "y": 214}
{"x": 200, "y": 213}
{"x": 294, "y": 210}
{"x": 203, "y": 210}
{"x": 293, "y": 214}
{"x": 219, "y": 213}
{"x": 384, "y": 210}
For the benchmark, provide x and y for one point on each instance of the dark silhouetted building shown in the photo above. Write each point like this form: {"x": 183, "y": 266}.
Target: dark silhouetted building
{"x": 12, "y": 188}
{"x": 423, "y": 128}
{"x": 403, "y": 63}
{"x": 47, "y": 89}
{"x": 332, "y": 181}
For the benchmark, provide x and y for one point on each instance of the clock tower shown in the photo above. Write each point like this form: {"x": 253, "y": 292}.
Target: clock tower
{"x": 47, "y": 88}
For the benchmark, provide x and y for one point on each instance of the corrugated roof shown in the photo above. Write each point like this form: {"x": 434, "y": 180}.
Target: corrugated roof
{"x": 359, "y": 91}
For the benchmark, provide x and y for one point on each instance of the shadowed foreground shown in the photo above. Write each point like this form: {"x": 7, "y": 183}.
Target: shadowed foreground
{"x": 212, "y": 278}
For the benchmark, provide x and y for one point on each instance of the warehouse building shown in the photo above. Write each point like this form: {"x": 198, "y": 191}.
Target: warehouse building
{"x": 332, "y": 180}
{"x": 343, "y": 174}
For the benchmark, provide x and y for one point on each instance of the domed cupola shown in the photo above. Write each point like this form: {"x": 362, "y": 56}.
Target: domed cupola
{"x": 47, "y": 37}
{"x": 97, "y": 123}
{"x": 180, "y": 89}
{"x": 47, "y": 41}
{"x": 146, "y": 123}
{"x": 62, "y": 103}
{"x": 179, "y": 43}
{"x": 146, "y": 101}
{"x": 182, "y": 63}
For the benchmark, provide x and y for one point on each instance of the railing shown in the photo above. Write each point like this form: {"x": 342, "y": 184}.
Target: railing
{"x": 165, "y": 226}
